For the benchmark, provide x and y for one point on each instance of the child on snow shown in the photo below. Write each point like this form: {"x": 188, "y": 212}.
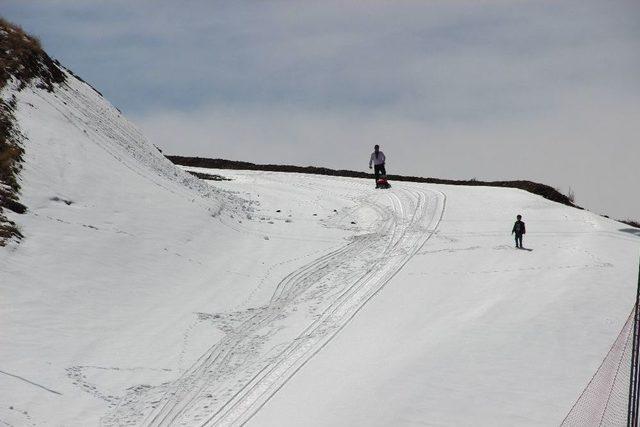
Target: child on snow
{"x": 518, "y": 230}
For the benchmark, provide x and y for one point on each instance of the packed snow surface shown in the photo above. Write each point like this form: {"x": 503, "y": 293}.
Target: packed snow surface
{"x": 141, "y": 295}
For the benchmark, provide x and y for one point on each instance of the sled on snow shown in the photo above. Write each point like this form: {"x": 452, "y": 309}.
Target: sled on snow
{"x": 382, "y": 183}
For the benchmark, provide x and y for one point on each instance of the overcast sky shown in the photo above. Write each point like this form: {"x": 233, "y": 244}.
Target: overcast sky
{"x": 541, "y": 90}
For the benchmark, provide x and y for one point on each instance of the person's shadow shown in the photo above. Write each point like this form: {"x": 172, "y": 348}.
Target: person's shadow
{"x": 634, "y": 231}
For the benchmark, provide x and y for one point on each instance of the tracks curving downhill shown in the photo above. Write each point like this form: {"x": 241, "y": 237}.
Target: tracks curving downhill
{"x": 234, "y": 378}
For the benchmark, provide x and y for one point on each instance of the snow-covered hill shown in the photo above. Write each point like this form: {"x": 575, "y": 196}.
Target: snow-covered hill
{"x": 141, "y": 295}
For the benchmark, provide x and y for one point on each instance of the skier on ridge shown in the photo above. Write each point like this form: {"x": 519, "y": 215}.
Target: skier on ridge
{"x": 378, "y": 159}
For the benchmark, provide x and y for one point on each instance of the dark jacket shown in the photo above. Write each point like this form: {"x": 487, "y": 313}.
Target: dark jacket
{"x": 519, "y": 228}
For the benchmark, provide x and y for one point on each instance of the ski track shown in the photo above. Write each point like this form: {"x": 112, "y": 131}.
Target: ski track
{"x": 261, "y": 351}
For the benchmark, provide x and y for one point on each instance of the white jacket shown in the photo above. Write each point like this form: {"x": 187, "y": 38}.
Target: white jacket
{"x": 377, "y": 160}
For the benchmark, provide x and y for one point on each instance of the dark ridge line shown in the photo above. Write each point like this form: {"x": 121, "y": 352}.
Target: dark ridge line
{"x": 543, "y": 190}
{"x": 630, "y": 222}
{"x": 77, "y": 77}
{"x": 539, "y": 189}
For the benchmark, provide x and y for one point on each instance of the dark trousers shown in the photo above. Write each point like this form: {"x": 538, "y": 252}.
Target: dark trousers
{"x": 518, "y": 240}
{"x": 378, "y": 170}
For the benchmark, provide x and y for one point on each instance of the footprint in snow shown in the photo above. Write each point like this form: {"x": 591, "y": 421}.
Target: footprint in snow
{"x": 58, "y": 199}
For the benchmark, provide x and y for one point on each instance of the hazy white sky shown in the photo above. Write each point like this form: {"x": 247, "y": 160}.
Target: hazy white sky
{"x": 541, "y": 90}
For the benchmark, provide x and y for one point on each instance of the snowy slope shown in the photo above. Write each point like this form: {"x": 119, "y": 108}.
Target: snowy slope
{"x": 142, "y": 296}
{"x": 112, "y": 232}
{"x": 470, "y": 331}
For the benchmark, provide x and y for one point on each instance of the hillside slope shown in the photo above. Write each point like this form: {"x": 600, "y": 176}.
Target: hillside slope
{"x": 470, "y": 331}
{"x": 141, "y": 295}
{"x": 474, "y": 332}
{"x": 327, "y": 303}
{"x": 112, "y": 230}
